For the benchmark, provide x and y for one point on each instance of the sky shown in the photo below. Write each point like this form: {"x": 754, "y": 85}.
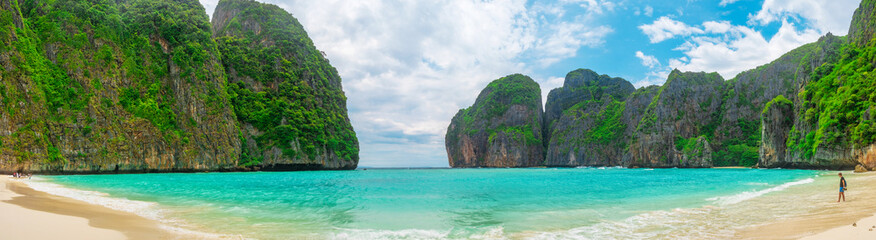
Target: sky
{"x": 408, "y": 66}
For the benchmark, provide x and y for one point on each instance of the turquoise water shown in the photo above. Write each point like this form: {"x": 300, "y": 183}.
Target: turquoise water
{"x": 449, "y": 203}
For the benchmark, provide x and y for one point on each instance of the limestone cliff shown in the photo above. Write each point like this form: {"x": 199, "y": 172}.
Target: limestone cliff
{"x": 834, "y": 125}
{"x": 862, "y": 30}
{"x": 814, "y": 107}
{"x": 673, "y": 130}
{"x": 285, "y": 93}
{"x": 502, "y": 128}
{"x": 89, "y": 87}
{"x": 114, "y": 86}
{"x": 586, "y": 121}
{"x": 777, "y": 119}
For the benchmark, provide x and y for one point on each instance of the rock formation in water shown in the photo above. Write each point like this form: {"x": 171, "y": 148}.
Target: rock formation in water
{"x": 814, "y": 107}
{"x": 141, "y": 86}
{"x": 502, "y": 128}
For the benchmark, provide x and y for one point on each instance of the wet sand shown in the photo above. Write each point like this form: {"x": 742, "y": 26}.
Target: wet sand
{"x": 830, "y": 219}
{"x": 29, "y": 214}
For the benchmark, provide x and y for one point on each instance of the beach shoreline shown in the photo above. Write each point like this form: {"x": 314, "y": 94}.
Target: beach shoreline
{"x": 69, "y": 217}
{"x": 31, "y": 214}
{"x": 831, "y": 220}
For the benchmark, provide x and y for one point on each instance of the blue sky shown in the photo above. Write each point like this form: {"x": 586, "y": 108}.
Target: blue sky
{"x": 409, "y": 66}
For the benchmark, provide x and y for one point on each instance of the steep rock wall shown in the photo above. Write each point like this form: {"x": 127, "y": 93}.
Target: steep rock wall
{"x": 287, "y": 97}
{"x": 502, "y": 128}
{"x": 670, "y": 132}
{"x": 136, "y": 86}
{"x": 91, "y": 88}
{"x": 586, "y": 120}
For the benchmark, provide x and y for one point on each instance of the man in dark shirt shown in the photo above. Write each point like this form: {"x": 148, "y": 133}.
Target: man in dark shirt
{"x": 842, "y": 194}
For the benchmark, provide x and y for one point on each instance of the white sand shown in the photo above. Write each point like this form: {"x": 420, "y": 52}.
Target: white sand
{"x": 830, "y": 219}
{"x": 862, "y": 229}
{"x": 17, "y": 222}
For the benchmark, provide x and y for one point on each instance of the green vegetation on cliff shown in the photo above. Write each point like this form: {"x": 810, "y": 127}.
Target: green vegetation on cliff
{"x": 778, "y": 100}
{"x": 841, "y": 101}
{"x": 73, "y": 65}
{"x": 134, "y": 86}
{"x": 281, "y": 84}
{"x": 609, "y": 125}
{"x": 814, "y": 107}
{"x": 501, "y": 129}
{"x": 515, "y": 89}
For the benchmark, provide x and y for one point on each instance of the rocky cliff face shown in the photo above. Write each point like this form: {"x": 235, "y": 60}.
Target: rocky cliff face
{"x": 777, "y": 119}
{"x": 779, "y": 123}
{"x": 672, "y": 132}
{"x": 582, "y": 85}
{"x": 130, "y": 86}
{"x": 833, "y": 124}
{"x": 287, "y": 97}
{"x": 90, "y": 90}
{"x": 814, "y": 107}
{"x": 586, "y": 120}
{"x": 863, "y": 26}
{"x": 502, "y": 128}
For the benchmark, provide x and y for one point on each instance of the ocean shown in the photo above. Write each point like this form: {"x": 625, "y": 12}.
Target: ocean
{"x": 537, "y": 203}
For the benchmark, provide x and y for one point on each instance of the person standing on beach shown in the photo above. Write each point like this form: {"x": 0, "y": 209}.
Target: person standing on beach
{"x": 842, "y": 194}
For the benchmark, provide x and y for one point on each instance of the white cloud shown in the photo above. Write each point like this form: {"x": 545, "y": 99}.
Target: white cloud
{"x": 549, "y": 84}
{"x": 595, "y": 6}
{"x": 657, "y": 73}
{"x": 826, "y": 15}
{"x": 648, "y": 11}
{"x": 727, "y": 2}
{"x": 647, "y": 60}
{"x": 566, "y": 39}
{"x": 665, "y": 28}
{"x": 409, "y": 66}
{"x": 739, "y": 49}
{"x": 717, "y": 27}
{"x": 729, "y": 49}
{"x": 209, "y": 6}
{"x": 655, "y": 76}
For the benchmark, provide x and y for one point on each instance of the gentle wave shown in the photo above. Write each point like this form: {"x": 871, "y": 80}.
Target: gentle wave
{"x": 389, "y": 234}
{"x": 679, "y": 223}
{"x": 734, "y": 199}
{"x": 600, "y": 168}
{"x": 485, "y": 233}
{"x": 673, "y": 224}
{"x": 145, "y": 209}
{"x": 148, "y": 210}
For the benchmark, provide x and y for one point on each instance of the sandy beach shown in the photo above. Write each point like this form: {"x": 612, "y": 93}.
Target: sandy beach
{"x": 29, "y": 214}
{"x": 830, "y": 220}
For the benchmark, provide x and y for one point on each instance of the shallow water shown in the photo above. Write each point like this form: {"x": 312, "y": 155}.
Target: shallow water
{"x": 582, "y": 203}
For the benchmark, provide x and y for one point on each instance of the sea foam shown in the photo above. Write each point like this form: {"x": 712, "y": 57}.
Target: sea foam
{"x": 737, "y": 198}
{"x": 486, "y": 233}
{"x": 141, "y": 208}
{"x": 389, "y": 234}
{"x": 679, "y": 223}
{"x": 148, "y": 210}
